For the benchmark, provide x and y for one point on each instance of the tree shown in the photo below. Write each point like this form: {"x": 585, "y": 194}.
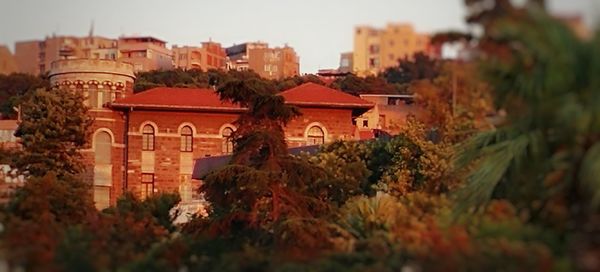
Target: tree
{"x": 54, "y": 126}
{"x": 13, "y": 87}
{"x": 544, "y": 159}
{"x": 420, "y": 67}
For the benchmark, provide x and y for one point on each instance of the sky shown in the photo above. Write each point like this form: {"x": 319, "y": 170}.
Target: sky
{"x": 319, "y": 30}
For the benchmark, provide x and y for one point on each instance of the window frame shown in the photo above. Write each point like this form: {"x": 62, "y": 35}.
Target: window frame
{"x": 228, "y": 145}
{"x": 144, "y": 185}
{"x": 186, "y": 143}
{"x": 310, "y": 137}
{"x": 148, "y": 145}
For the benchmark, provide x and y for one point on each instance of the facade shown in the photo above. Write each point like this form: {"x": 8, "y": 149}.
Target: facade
{"x": 577, "y": 25}
{"x": 346, "y": 63}
{"x": 8, "y": 65}
{"x": 270, "y": 63}
{"x": 376, "y": 49}
{"x": 101, "y": 82}
{"x": 210, "y": 56}
{"x": 8, "y": 180}
{"x": 35, "y": 57}
{"x": 147, "y": 142}
{"x": 145, "y": 53}
{"x": 389, "y": 113}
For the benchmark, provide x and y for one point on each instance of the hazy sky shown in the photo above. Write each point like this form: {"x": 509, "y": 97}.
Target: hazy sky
{"x": 319, "y": 30}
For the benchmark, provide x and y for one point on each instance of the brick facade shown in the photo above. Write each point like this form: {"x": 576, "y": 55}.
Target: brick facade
{"x": 147, "y": 142}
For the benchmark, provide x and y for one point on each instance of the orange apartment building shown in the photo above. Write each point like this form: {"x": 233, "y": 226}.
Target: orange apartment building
{"x": 35, "y": 57}
{"x": 376, "y": 49}
{"x": 210, "y": 56}
{"x": 8, "y": 64}
{"x": 145, "y": 53}
{"x": 147, "y": 142}
{"x": 390, "y": 112}
{"x": 270, "y": 63}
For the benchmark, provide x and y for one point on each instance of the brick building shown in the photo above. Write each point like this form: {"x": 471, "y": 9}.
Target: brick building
{"x": 147, "y": 142}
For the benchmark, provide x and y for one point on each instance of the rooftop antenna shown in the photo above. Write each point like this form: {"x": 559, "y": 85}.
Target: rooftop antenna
{"x": 91, "y": 33}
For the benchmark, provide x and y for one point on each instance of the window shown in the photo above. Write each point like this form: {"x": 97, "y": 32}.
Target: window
{"x": 186, "y": 139}
{"x": 101, "y": 197}
{"x": 316, "y": 136}
{"x": 147, "y": 185}
{"x": 374, "y": 49}
{"x": 148, "y": 138}
{"x": 365, "y": 123}
{"x": 102, "y": 148}
{"x": 227, "y": 140}
{"x": 100, "y": 99}
{"x": 373, "y": 62}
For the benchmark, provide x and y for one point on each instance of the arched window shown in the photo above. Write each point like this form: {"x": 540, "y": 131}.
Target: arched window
{"x": 227, "y": 140}
{"x": 102, "y": 169}
{"x": 148, "y": 138}
{"x": 102, "y": 148}
{"x": 187, "y": 139}
{"x": 315, "y": 136}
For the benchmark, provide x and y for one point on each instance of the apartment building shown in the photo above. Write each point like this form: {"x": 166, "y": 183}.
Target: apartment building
{"x": 7, "y": 61}
{"x": 378, "y": 48}
{"x": 209, "y": 56}
{"x": 34, "y": 57}
{"x": 270, "y": 63}
{"x": 389, "y": 114}
{"x": 146, "y": 53}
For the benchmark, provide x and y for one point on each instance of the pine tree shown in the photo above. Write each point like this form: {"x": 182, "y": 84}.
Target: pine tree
{"x": 54, "y": 126}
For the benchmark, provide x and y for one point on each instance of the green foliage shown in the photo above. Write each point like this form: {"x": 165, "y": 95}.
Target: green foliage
{"x": 54, "y": 126}
{"x": 421, "y": 67}
{"x": 12, "y": 89}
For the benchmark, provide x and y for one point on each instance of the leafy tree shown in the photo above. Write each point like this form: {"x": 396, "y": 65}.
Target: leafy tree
{"x": 36, "y": 217}
{"x": 54, "y": 126}
{"x": 456, "y": 103}
{"x": 13, "y": 87}
{"x": 420, "y": 67}
{"x": 544, "y": 158}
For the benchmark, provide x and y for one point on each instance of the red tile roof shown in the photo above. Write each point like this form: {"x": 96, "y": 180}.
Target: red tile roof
{"x": 166, "y": 98}
{"x": 312, "y": 94}
{"x": 8, "y": 124}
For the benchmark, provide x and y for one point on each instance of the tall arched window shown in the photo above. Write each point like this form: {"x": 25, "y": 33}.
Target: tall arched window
{"x": 187, "y": 139}
{"x": 102, "y": 169}
{"x": 148, "y": 138}
{"x": 102, "y": 148}
{"x": 227, "y": 140}
{"x": 315, "y": 136}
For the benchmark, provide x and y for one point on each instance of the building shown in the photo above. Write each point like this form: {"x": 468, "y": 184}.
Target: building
{"x": 101, "y": 82}
{"x": 145, "y": 53}
{"x": 577, "y": 25}
{"x": 270, "y": 63}
{"x": 346, "y": 63}
{"x": 34, "y": 57}
{"x": 8, "y": 65}
{"x": 210, "y": 56}
{"x": 8, "y": 179}
{"x": 147, "y": 142}
{"x": 389, "y": 113}
{"x": 376, "y": 49}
